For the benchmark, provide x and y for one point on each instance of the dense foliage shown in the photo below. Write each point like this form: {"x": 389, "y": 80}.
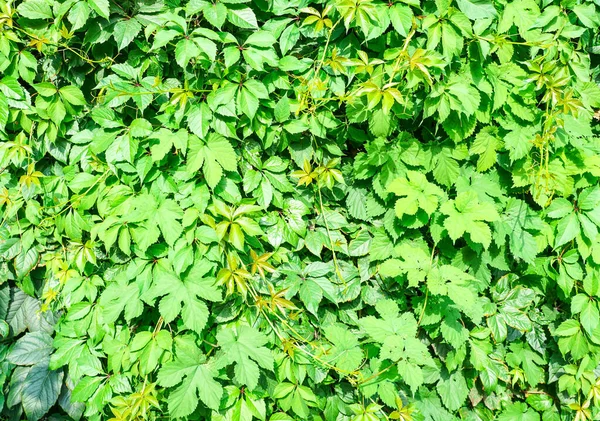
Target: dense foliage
{"x": 341, "y": 210}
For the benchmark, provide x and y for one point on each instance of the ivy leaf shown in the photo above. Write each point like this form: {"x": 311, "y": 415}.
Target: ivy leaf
{"x": 242, "y": 18}
{"x": 345, "y": 353}
{"x": 477, "y": 9}
{"x": 485, "y": 145}
{"x": 125, "y": 31}
{"x": 466, "y": 214}
{"x": 244, "y": 346}
{"x": 416, "y": 193}
{"x": 181, "y": 296}
{"x": 35, "y": 9}
{"x": 453, "y": 390}
{"x": 167, "y": 216}
{"x": 213, "y": 157}
{"x": 193, "y": 376}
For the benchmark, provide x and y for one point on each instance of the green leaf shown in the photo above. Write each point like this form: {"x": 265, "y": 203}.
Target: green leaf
{"x": 101, "y": 7}
{"x": 78, "y": 15}
{"x": 262, "y": 39}
{"x": 244, "y": 346}
{"x": 345, "y": 353}
{"x": 391, "y": 324}
{"x": 193, "y": 376}
{"x": 35, "y": 9}
{"x": 31, "y": 348}
{"x": 186, "y": 50}
{"x": 467, "y": 215}
{"x": 125, "y": 31}
{"x": 485, "y": 145}
{"x": 72, "y": 95}
{"x": 199, "y": 120}
{"x": 453, "y": 390}
{"x": 40, "y": 390}
{"x": 590, "y": 316}
{"x": 518, "y": 411}
{"x": 401, "y": 17}
{"x": 568, "y": 328}
{"x": 182, "y": 296}
{"x": 416, "y": 193}
{"x": 477, "y": 9}
{"x": 587, "y": 14}
{"x": 215, "y": 14}
{"x": 242, "y": 18}
{"x": 167, "y": 216}
{"x": 356, "y": 202}
{"x": 519, "y": 141}
{"x": 414, "y": 262}
{"x": 567, "y": 229}
{"x": 411, "y": 374}
{"x": 213, "y": 156}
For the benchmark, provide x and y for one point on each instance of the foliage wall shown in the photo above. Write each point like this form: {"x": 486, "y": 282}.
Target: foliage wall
{"x": 341, "y": 210}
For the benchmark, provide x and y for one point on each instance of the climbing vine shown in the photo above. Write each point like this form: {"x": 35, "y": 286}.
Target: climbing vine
{"x": 339, "y": 210}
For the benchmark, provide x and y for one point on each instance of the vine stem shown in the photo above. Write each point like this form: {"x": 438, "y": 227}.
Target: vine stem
{"x": 335, "y": 261}
{"x": 329, "y": 34}
{"x": 395, "y": 69}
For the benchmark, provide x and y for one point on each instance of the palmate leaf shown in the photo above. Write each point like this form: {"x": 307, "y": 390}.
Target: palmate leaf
{"x": 345, "y": 353}
{"x": 191, "y": 376}
{"x": 466, "y": 214}
{"x": 392, "y": 323}
{"x": 415, "y": 192}
{"x": 518, "y": 221}
{"x": 182, "y": 295}
{"x": 121, "y": 297}
{"x": 213, "y": 156}
{"x": 414, "y": 261}
{"x": 459, "y": 286}
{"x": 244, "y": 347}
